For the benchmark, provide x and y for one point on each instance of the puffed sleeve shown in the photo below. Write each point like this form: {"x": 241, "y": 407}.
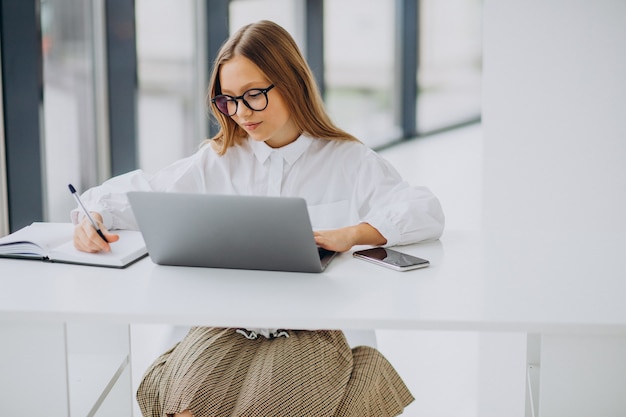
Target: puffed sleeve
{"x": 402, "y": 213}
{"x": 110, "y": 201}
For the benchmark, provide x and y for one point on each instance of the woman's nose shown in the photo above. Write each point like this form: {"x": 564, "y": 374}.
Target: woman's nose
{"x": 242, "y": 109}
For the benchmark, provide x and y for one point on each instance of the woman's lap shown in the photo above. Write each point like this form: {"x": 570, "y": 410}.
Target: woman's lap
{"x": 218, "y": 372}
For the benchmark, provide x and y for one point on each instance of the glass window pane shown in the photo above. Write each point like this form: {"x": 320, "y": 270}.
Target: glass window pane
{"x": 4, "y": 209}
{"x": 171, "y": 111}
{"x": 450, "y": 68}
{"x": 359, "y": 55}
{"x": 287, "y": 13}
{"x": 68, "y": 105}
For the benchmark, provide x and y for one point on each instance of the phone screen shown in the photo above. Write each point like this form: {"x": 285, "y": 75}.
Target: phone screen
{"x": 392, "y": 258}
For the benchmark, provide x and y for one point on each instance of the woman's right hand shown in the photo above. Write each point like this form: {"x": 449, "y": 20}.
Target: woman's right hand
{"x": 86, "y": 238}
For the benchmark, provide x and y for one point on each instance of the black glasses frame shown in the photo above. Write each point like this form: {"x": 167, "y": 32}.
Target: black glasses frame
{"x": 264, "y": 91}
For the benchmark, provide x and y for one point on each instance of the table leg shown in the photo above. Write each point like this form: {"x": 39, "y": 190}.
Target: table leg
{"x": 62, "y": 369}
{"x": 581, "y": 376}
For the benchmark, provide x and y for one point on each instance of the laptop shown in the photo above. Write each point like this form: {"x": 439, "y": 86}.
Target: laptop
{"x": 228, "y": 231}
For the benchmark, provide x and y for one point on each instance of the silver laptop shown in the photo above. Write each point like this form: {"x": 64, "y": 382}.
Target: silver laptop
{"x": 228, "y": 231}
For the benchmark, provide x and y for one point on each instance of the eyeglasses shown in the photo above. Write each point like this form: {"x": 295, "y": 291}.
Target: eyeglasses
{"x": 255, "y": 99}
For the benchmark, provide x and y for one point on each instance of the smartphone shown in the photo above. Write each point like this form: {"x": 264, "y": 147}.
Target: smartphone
{"x": 391, "y": 259}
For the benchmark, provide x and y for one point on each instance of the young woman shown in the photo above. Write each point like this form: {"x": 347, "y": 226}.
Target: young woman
{"x": 275, "y": 138}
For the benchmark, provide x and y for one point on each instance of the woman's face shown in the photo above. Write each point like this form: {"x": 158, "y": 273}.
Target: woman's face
{"x": 274, "y": 124}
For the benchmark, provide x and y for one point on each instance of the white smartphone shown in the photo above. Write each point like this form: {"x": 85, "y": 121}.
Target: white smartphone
{"x": 391, "y": 259}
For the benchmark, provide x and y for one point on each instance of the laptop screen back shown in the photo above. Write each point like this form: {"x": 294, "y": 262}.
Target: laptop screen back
{"x": 227, "y": 231}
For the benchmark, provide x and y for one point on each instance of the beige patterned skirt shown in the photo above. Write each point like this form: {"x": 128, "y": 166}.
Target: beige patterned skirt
{"x": 219, "y": 372}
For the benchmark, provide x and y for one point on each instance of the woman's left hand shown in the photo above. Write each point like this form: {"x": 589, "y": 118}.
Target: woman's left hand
{"x": 342, "y": 240}
{"x": 338, "y": 240}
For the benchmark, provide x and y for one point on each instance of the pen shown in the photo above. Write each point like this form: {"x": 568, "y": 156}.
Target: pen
{"x": 95, "y": 225}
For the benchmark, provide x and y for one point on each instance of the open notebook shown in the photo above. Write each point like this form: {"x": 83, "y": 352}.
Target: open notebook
{"x": 53, "y": 242}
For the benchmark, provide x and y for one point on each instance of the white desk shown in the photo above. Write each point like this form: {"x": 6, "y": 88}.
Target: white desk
{"x": 571, "y": 294}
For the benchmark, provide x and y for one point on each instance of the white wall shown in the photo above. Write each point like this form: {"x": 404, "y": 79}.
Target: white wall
{"x": 554, "y": 114}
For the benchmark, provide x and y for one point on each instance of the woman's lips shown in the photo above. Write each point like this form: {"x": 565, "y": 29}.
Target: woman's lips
{"x": 251, "y": 126}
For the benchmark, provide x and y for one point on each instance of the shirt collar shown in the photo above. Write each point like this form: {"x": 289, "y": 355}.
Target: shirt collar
{"x": 290, "y": 152}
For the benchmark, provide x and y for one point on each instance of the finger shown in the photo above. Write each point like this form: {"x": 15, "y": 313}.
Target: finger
{"x": 323, "y": 242}
{"x": 99, "y": 243}
{"x": 100, "y": 239}
{"x": 111, "y": 237}
{"x": 83, "y": 243}
{"x": 78, "y": 243}
{"x": 80, "y": 239}
{"x": 91, "y": 240}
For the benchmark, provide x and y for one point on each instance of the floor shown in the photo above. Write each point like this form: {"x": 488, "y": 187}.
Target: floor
{"x": 451, "y": 374}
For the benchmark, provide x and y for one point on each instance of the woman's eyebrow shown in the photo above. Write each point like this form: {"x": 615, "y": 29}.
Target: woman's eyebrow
{"x": 242, "y": 89}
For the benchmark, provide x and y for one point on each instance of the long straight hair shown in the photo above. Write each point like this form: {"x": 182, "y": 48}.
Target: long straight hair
{"x": 272, "y": 49}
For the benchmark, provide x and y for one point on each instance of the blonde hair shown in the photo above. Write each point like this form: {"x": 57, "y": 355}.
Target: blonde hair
{"x": 272, "y": 49}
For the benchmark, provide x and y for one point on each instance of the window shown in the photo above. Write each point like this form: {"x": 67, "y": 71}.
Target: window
{"x": 287, "y": 13}
{"x": 69, "y": 101}
{"x": 172, "y": 115}
{"x": 174, "y": 39}
{"x": 4, "y": 208}
{"x": 450, "y": 70}
{"x": 359, "y": 65}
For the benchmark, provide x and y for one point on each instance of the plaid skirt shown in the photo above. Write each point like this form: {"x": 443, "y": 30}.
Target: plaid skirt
{"x": 219, "y": 372}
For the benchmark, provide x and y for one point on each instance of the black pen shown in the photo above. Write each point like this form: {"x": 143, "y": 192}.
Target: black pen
{"x": 95, "y": 225}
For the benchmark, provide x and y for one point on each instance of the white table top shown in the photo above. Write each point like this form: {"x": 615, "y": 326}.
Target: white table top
{"x": 477, "y": 281}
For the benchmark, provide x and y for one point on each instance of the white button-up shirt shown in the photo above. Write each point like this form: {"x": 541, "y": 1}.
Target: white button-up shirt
{"x": 343, "y": 182}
